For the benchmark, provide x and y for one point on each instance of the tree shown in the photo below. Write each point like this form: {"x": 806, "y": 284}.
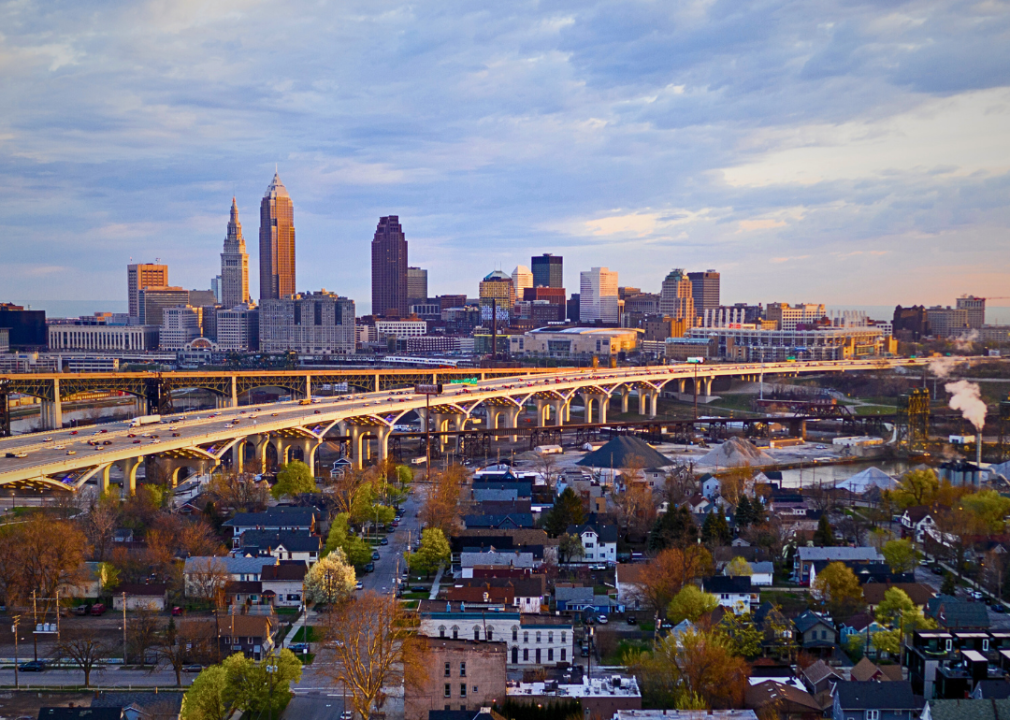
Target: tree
{"x": 715, "y": 529}
{"x": 207, "y": 578}
{"x": 670, "y": 571}
{"x": 570, "y": 548}
{"x": 433, "y": 552}
{"x": 824, "y": 536}
{"x": 241, "y": 492}
{"x": 370, "y": 641}
{"x": 205, "y": 698}
{"x": 695, "y": 669}
{"x": 142, "y": 633}
{"x": 636, "y": 508}
{"x": 895, "y": 603}
{"x": 690, "y": 603}
{"x": 840, "y": 590}
{"x": 900, "y": 555}
{"x": 915, "y": 487}
{"x": 330, "y": 580}
{"x": 179, "y": 646}
{"x": 738, "y": 567}
{"x": 948, "y": 586}
{"x": 989, "y": 508}
{"x": 567, "y": 511}
{"x": 293, "y": 479}
{"x": 261, "y": 688}
{"x": 357, "y": 551}
{"x": 744, "y": 512}
{"x": 441, "y": 507}
{"x": 100, "y": 523}
{"x": 674, "y": 528}
{"x": 742, "y": 635}
{"x": 84, "y": 647}
{"x": 545, "y": 465}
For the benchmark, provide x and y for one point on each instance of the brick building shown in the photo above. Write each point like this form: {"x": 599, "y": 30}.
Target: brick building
{"x": 462, "y": 675}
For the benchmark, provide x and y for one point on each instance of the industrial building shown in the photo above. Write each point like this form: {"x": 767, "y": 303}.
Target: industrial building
{"x": 574, "y": 343}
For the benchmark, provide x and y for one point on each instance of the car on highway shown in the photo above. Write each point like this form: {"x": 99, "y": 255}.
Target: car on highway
{"x": 32, "y": 666}
{"x": 47, "y": 439}
{"x": 71, "y": 452}
{"x": 107, "y": 442}
{"x": 73, "y": 432}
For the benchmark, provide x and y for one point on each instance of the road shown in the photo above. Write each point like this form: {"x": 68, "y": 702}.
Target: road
{"x": 997, "y": 621}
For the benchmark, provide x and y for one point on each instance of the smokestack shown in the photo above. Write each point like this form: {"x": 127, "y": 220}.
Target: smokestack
{"x": 978, "y": 460}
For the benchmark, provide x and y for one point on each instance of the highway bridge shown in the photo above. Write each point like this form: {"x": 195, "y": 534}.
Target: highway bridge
{"x": 68, "y": 458}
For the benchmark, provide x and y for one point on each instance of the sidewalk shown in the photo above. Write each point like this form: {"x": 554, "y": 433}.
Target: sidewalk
{"x": 300, "y": 622}
{"x": 434, "y": 585}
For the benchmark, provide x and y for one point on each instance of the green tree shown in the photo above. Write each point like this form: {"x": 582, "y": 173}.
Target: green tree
{"x": 900, "y": 555}
{"x": 741, "y": 633}
{"x": 840, "y": 590}
{"x": 567, "y": 511}
{"x": 570, "y": 548}
{"x": 205, "y": 698}
{"x": 715, "y": 529}
{"x": 357, "y": 551}
{"x": 433, "y": 552}
{"x": 674, "y": 528}
{"x": 108, "y": 576}
{"x": 738, "y": 567}
{"x": 916, "y": 487}
{"x": 885, "y": 641}
{"x": 895, "y": 603}
{"x": 690, "y": 604}
{"x": 824, "y": 536}
{"x": 949, "y": 585}
{"x": 404, "y": 475}
{"x": 744, "y": 512}
{"x": 988, "y": 508}
{"x": 293, "y": 479}
{"x": 330, "y": 580}
{"x": 261, "y": 688}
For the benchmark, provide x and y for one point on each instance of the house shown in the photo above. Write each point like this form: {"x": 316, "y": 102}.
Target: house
{"x": 513, "y": 521}
{"x": 485, "y": 595}
{"x": 600, "y": 697}
{"x": 974, "y": 709}
{"x": 629, "y": 583}
{"x": 532, "y": 640}
{"x": 140, "y": 596}
{"x": 495, "y": 559}
{"x": 202, "y": 574}
{"x": 991, "y": 690}
{"x": 820, "y": 677}
{"x": 87, "y": 584}
{"x": 283, "y": 545}
{"x": 918, "y": 593}
{"x": 529, "y": 593}
{"x": 762, "y": 573}
{"x": 81, "y": 713}
{"x": 462, "y": 675}
{"x": 865, "y": 572}
{"x": 698, "y": 504}
{"x": 141, "y": 705}
{"x": 506, "y": 538}
{"x": 865, "y": 670}
{"x": 123, "y": 535}
{"x": 859, "y": 624}
{"x": 249, "y": 592}
{"x": 734, "y": 593}
{"x": 807, "y": 556}
{"x": 710, "y": 486}
{"x": 599, "y": 541}
{"x": 782, "y": 701}
{"x": 855, "y": 700}
{"x": 917, "y": 520}
{"x": 284, "y": 583}
{"x": 572, "y": 599}
{"x": 274, "y": 520}
{"x": 252, "y": 635}
{"x": 815, "y": 633}
{"x": 953, "y": 613}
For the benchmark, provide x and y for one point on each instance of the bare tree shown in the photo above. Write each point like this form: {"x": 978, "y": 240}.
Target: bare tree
{"x": 546, "y": 465}
{"x": 369, "y": 641}
{"x": 190, "y": 642}
{"x": 142, "y": 633}
{"x": 99, "y": 525}
{"x": 206, "y": 578}
{"x": 680, "y": 485}
{"x": 85, "y": 647}
{"x": 238, "y": 491}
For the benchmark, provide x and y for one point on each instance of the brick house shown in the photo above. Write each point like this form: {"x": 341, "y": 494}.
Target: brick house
{"x": 462, "y": 675}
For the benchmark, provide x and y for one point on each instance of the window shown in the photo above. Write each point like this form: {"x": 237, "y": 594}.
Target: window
{"x": 515, "y": 634}
{"x": 488, "y": 634}
{"x": 985, "y": 644}
{"x": 872, "y": 715}
{"x": 441, "y": 631}
{"x": 526, "y": 654}
{"x": 550, "y": 654}
{"x": 447, "y": 691}
{"x": 474, "y": 689}
{"x": 462, "y": 669}
{"x": 526, "y": 636}
{"x": 462, "y": 690}
{"x": 538, "y": 637}
{"x": 550, "y": 637}
{"x": 589, "y": 546}
{"x": 455, "y": 633}
{"x": 564, "y": 637}
{"x": 448, "y": 671}
{"x": 476, "y": 633}
{"x": 564, "y": 655}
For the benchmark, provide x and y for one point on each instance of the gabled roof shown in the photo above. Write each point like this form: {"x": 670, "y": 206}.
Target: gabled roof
{"x": 231, "y": 565}
{"x": 808, "y": 619}
{"x": 865, "y": 669}
{"x": 724, "y": 584}
{"x": 619, "y": 451}
{"x": 292, "y": 540}
{"x": 284, "y": 572}
{"x": 810, "y": 554}
{"x": 953, "y": 613}
{"x": 786, "y": 698}
{"x": 516, "y": 520}
{"x": 870, "y": 695}
{"x": 274, "y": 517}
{"x": 987, "y": 709}
{"x": 140, "y": 589}
{"x": 819, "y": 671}
{"x": 568, "y": 594}
{"x": 606, "y": 533}
{"x": 918, "y": 593}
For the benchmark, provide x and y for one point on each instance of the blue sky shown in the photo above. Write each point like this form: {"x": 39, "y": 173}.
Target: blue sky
{"x": 843, "y": 152}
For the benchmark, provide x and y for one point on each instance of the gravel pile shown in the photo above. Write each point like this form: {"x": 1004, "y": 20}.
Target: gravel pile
{"x": 736, "y": 452}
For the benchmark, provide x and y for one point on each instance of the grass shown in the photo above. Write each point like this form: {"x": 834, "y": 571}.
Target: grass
{"x": 647, "y": 626}
{"x": 306, "y": 633}
{"x": 416, "y": 595}
{"x": 786, "y": 600}
{"x": 410, "y": 604}
{"x": 623, "y": 648}
{"x": 286, "y": 611}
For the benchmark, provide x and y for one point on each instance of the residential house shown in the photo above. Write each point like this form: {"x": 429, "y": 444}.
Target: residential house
{"x": 872, "y": 700}
{"x": 249, "y": 592}
{"x": 862, "y": 624}
{"x": 815, "y": 633}
{"x": 141, "y": 705}
{"x": 529, "y": 593}
{"x": 482, "y": 596}
{"x": 252, "y": 635}
{"x": 199, "y": 573}
{"x": 283, "y": 545}
{"x": 462, "y": 675}
{"x": 734, "y": 593}
{"x": 918, "y": 593}
{"x": 630, "y": 577}
{"x": 807, "y": 556}
{"x": 568, "y": 598}
{"x": 777, "y": 632}
{"x": 506, "y": 539}
{"x": 710, "y": 486}
{"x": 879, "y": 573}
{"x": 952, "y": 613}
{"x": 532, "y": 640}
{"x": 140, "y": 596}
{"x": 123, "y": 535}
{"x": 88, "y": 583}
{"x": 599, "y": 541}
{"x": 782, "y": 701}
{"x": 511, "y": 521}
{"x": 495, "y": 559}
{"x": 918, "y": 520}
{"x": 865, "y": 670}
{"x": 273, "y": 520}
{"x": 284, "y": 583}
{"x": 820, "y": 677}
{"x": 964, "y": 709}
{"x": 991, "y": 690}
{"x": 762, "y": 573}
{"x": 698, "y": 504}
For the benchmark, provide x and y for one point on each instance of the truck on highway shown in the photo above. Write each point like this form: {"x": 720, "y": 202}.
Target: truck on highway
{"x": 145, "y": 420}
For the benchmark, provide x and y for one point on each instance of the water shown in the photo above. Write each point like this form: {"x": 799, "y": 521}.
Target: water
{"x": 74, "y": 308}
{"x": 829, "y": 475}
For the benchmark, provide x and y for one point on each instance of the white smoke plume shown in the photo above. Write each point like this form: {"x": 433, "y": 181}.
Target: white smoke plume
{"x": 963, "y": 343}
{"x": 942, "y": 367}
{"x": 967, "y": 398}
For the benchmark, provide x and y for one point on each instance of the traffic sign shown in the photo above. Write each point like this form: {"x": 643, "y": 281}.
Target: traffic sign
{"x": 429, "y": 389}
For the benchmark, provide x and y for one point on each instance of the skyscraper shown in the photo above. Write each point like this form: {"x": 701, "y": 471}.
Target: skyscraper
{"x": 234, "y": 282}
{"x": 548, "y": 271}
{"x": 140, "y": 276}
{"x": 389, "y": 268}
{"x": 277, "y": 242}
{"x": 598, "y": 299}
{"x": 417, "y": 286}
{"x": 705, "y": 291}
{"x": 522, "y": 278}
{"x": 676, "y": 299}
{"x": 975, "y": 306}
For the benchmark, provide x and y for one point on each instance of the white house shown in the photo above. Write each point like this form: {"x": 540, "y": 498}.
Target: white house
{"x": 917, "y": 521}
{"x": 140, "y": 597}
{"x": 286, "y": 581}
{"x": 734, "y": 593}
{"x": 599, "y": 542}
{"x": 762, "y": 573}
{"x": 710, "y": 486}
{"x": 629, "y": 583}
{"x": 284, "y": 545}
{"x": 201, "y": 572}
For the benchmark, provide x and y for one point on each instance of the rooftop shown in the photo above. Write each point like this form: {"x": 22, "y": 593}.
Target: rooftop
{"x": 613, "y": 686}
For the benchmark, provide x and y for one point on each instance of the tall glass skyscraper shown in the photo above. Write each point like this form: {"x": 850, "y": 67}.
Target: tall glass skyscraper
{"x": 277, "y": 242}
{"x": 389, "y": 269}
{"x": 234, "y": 282}
{"x": 548, "y": 271}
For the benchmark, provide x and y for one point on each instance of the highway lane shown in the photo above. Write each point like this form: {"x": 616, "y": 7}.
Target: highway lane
{"x": 47, "y": 453}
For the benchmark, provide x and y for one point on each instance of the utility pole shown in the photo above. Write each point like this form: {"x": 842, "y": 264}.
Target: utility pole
{"x": 14, "y": 628}
{"x": 124, "y": 627}
{"x": 35, "y": 624}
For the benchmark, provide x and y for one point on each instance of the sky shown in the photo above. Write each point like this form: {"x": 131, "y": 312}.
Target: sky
{"x": 845, "y": 152}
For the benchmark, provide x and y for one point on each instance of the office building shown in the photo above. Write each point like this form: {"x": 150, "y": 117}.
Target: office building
{"x": 947, "y": 321}
{"x": 5, "y": 340}
{"x": 78, "y": 336}
{"x": 496, "y": 290}
{"x": 140, "y": 276}
{"x": 704, "y": 290}
{"x": 215, "y": 287}
{"x": 451, "y": 301}
{"x": 911, "y": 321}
{"x": 389, "y": 269}
{"x": 400, "y": 328}
{"x": 572, "y": 308}
{"x": 201, "y": 298}
{"x": 787, "y": 317}
{"x": 598, "y": 300}
{"x": 575, "y": 343}
{"x": 975, "y": 309}
{"x": 154, "y": 300}
{"x": 320, "y": 323}
{"x": 555, "y": 297}
{"x": 522, "y": 279}
{"x": 238, "y": 328}
{"x": 234, "y": 278}
{"x": 548, "y": 271}
{"x": 26, "y": 328}
{"x": 180, "y": 326}
{"x": 417, "y": 285}
{"x": 727, "y": 315}
{"x": 277, "y": 242}
{"x": 676, "y": 299}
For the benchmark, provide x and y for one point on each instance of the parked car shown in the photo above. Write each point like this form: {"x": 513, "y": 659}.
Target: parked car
{"x": 81, "y": 610}
{"x": 419, "y": 588}
{"x": 177, "y": 611}
{"x": 384, "y": 541}
{"x": 359, "y": 585}
{"x": 998, "y": 607}
{"x": 370, "y": 567}
{"x": 375, "y": 556}
{"x": 632, "y": 620}
{"x": 601, "y": 619}
{"x": 298, "y": 647}
{"x": 98, "y": 609}
{"x": 32, "y": 666}
{"x": 192, "y": 668}
{"x": 976, "y": 595}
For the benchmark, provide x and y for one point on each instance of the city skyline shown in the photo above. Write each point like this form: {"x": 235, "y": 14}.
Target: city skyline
{"x": 847, "y": 160}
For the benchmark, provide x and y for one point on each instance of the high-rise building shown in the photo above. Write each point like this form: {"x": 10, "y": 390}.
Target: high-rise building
{"x": 140, "y": 276}
{"x": 234, "y": 282}
{"x": 975, "y": 307}
{"x": 154, "y": 300}
{"x": 548, "y": 271}
{"x": 238, "y": 328}
{"x": 496, "y": 291}
{"x": 676, "y": 299}
{"x": 598, "y": 299}
{"x": 277, "y": 242}
{"x": 26, "y": 328}
{"x": 320, "y": 323}
{"x": 787, "y": 317}
{"x": 522, "y": 278}
{"x": 947, "y": 321}
{"x": 389, "y": 268}
{"x": 417, "y": 285}
{"x": 215, "y": 287}
{"x": 180, "y": 325}
{"x": 705, "y": 291}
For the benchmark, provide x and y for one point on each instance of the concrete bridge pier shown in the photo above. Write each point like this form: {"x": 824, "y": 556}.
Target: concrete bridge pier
{"x": 283, "y": 451}
{"x": 641, "y": 401}
{"x": 238, "y": 457}
{"x": 681, "y": 385}
{"x": 384, "y": 432}
{"x": 587, "y": 402}
{"x": 559, "y": 412}
{"x": 543, "y": 412}
{"x": 129, "y": 466}
{"x": 355, "y": 432}
{"x": 625, "y": 397}
{"x": 51, "y": 411}
{"x": 512, "y": 421}
{"x": 706, "y": 383}
{"x": 103, "y": 483}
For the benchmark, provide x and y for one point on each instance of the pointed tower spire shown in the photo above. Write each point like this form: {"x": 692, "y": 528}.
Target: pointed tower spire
{"x": 234, "y": 263}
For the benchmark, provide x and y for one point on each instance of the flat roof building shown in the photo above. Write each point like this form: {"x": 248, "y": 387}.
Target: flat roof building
{"x": 575, "y": 342}
{"x": 320, "y": 323}
{"x": 140, "y": 276}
